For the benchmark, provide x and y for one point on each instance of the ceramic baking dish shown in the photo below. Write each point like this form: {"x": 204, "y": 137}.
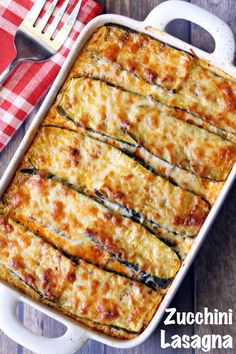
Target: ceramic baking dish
{"x": 154, "y": 25}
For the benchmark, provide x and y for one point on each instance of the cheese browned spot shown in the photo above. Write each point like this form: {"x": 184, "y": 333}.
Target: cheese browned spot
{"x": 107, "y": 310}
{"x": 5, "y": 225}
{"x": 61, "y": 281}
{"x": 151, "y": 196}
{"x": 49, "y": 283}
{"x": 17, "y": 262}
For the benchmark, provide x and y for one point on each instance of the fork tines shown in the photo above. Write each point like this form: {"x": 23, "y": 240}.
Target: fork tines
{"x": 33, "y": 15}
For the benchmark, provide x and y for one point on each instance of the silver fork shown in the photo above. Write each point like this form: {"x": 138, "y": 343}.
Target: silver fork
{"x": 32, "y": 42}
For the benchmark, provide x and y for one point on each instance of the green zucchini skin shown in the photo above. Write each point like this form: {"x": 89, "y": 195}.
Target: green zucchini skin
{"x": 152, "y": 281}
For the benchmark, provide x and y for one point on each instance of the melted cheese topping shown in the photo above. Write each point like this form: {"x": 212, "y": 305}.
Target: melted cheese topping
{"x": 98, "y": 167}
{"x": 198, "y": 90}
{"x": 142, "y": 55}
{"x": 209, "y": 190}
{"x": 206, "y": 188}
{"x": 88, "y": 65}
{"x": 84, "y": 290}
{"x": 84, "y": 228}
{"x": 122, "y": 115}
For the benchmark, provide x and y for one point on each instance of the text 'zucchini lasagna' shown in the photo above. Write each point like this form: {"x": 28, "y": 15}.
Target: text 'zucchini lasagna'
{"x": 115, "y": 187}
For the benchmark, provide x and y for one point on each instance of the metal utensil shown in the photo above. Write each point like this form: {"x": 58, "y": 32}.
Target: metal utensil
{"x": 32, "y": 42}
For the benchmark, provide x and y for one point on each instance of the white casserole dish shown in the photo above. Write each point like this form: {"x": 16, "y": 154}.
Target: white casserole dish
{"x": 154, "y": 25}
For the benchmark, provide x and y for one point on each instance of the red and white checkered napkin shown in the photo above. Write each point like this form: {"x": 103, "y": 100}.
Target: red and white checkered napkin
{"x": 24, "y": 88}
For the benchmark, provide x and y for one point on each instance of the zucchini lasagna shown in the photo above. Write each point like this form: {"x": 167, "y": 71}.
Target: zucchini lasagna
{"x": 116, "y": 185}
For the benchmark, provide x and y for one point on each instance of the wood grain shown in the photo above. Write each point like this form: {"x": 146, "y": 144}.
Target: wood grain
{"x": 215, "y": 285}
{"x": 224, "y": 9}
{"x": 211, "y": 280}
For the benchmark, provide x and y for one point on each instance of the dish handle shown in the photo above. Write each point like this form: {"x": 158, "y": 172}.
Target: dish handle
{"x": 170, "y": 10}
{"x": 73, "y": 339}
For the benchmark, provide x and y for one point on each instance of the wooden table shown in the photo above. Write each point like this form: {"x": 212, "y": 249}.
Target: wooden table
{"x": 211, "y": 281}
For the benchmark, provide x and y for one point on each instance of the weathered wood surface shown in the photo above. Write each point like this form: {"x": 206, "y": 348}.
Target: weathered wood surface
{"x": 211, "y": 281}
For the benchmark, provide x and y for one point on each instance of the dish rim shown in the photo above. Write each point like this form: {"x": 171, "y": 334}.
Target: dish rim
{"x": 145, "y": 26}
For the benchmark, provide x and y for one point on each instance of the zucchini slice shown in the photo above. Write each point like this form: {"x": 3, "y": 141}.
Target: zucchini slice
{"x": 82, "y": 227}
{"x": 97, "y": 167}
{"x": 203, "y": 187}
{"x": 89, "y": 65}
{"x": 142, "y": 55}
{"x": 83, "y": 290}
{"x": 186, "y": 83}
{"x": 126, "y": 116}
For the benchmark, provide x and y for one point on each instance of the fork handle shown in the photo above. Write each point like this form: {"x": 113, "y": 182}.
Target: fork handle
{"x": 8, "y": 69}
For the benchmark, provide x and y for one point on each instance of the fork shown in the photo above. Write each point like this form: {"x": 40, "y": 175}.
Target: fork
{"x": 33, "y": 42}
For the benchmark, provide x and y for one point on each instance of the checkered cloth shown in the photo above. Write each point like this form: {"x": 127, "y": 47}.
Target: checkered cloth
{"x": 24, "y": 88}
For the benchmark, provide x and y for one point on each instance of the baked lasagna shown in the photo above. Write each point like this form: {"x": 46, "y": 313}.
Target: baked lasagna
{"x": 116, "y": 185}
